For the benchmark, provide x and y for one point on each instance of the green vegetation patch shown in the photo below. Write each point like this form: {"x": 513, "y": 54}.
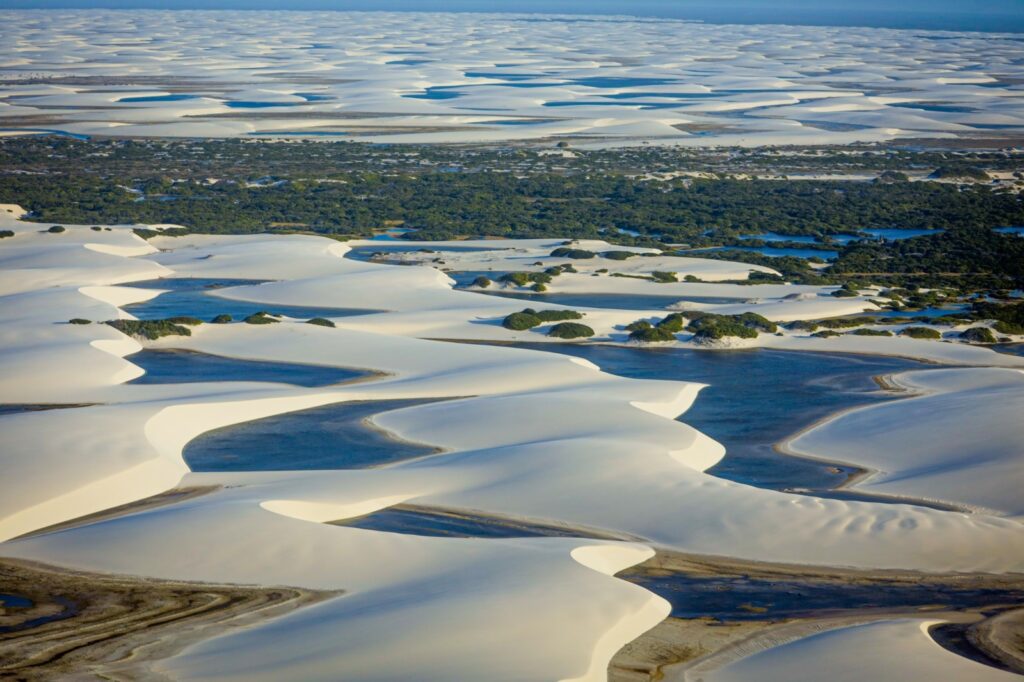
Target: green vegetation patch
{"x": 570, "y": 330}
{"x": 184, "y": 319}
{"x": 921, "y": 333}
{"x": 521, "y": 321}
{"x": 672, "y": 323}
{"x": 978, "y": 335}
{"x": 802, "y": 326}
{"x": 566, "y": 252}
{"x": 639, "y": 324}
{"x": 150, "y": 329}
{"x": 262, "y": 317}
{"x": 147, "y": 233}
{"x": 320, "y": 322}
{"x": 651, "y": 334}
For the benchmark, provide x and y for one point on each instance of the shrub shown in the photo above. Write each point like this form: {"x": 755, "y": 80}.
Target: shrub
{"x": 651, "y": 334}
{"x": 710, "y": 326}
{"x": 758, "y": 322}
{"x": 802, "y": 326}
{"x": 523, "y": 278}
{"x": 96, "y": 228}
{"x": 56, "y": 229}
{"x": 320, "y": 322}
{"x": 978, "y": 335}
{"x": 716, "y": 326}
{"x": 639, "y": 324}
{"x": 149, "y": 329}
{"x": 871, "y": 332}
{"x": 6, "y": 233}
{"x": 520, "y": 279}
{"x": 79, "y": 320}
{"x": 825, "y": 334}
{"x": 692, "y": 278}
{"x": 618, "y": 255}
{"x": 664, "y": 277}
{"x": 845, "y": 322}
{"x": 672, "y": 323}
{"x": 540, "y": 287}
{"x": 756, "y": 276}
{"x": 262, "y": 317}
{"x": 482, "y": 282}
{"x": 921, "y": 333}
{"x": 223, "y": 318}
{"x": 570, "y": 330}
{"x": 190, "y": 321}
{"x": 554, "y": 315}
{"x": 520, "y": 321}
{"x": 1004, "y": 327}
{"x": 845, "y": 293}
{"x": 566, "y": 252}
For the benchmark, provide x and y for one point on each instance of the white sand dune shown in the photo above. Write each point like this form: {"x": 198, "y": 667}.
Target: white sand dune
{"x": 438, "y": 77}
{"x": 961, "y": 442}
{"x": 528, "y": 433}
{"x": 896, "y": 651}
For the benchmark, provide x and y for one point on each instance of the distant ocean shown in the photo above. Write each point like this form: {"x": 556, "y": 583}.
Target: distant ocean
{"x": 942, "y": 15}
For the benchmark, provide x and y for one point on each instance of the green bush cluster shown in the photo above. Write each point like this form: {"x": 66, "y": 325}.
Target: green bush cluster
{"x": 56, "y": 229}
{"x": 482, "y": 282}
{"x": 978, "y": 335}
{"x": 871, "y": 332}
{"x": 320, "y": 322}
{"x": 150, "y": 329}
{"x": 528, "y": 318}
{"x": 672, "y": 323}
{"x": 651, "y": 334}
{"x": 223, "y": 318}
{"x": 184, "y": 319}
{"x": 520, "y": 321}
{"x": 79, "y": 320}
{"x": 664, "y": 277}
{"x": 567, "y": 252}
{"x": 802, "y": 326}
{"x": 4, "y": 234}
{"x": 618, "y": 255}
{"x": 921, "y": 333}
{"x": 1009, "y": 317}
{"x": 845, "y": 322}
{"x": 826, "y": 334}
{"x": 261, "y": 317}
{"x": 521, "y": 279}
{"x": 147, "y": 233}
{"x": 570, "y": 330}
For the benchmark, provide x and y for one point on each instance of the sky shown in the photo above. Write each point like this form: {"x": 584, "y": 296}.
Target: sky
{"x": 963, "y": 15}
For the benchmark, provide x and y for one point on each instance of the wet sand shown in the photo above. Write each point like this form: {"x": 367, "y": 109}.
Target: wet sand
{"x": 992, "y": 633}
{"x": 116, "y": 627}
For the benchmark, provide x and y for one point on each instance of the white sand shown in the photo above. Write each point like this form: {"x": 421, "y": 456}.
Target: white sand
{"x": 534, "y": 434}
{"x": 625, "y": 80}
{"x": 896, "y": 651}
